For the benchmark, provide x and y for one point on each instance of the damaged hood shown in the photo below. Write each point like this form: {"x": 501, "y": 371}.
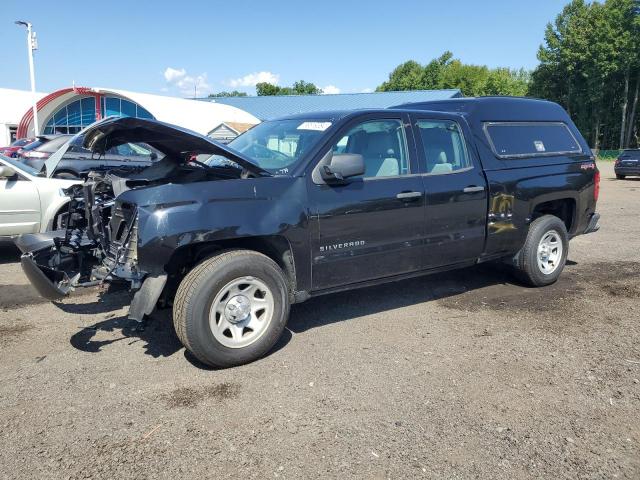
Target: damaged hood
{"x": 173, "y": 141}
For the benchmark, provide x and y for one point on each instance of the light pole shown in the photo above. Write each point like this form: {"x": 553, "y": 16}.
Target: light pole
{"x": 32, "y": 44}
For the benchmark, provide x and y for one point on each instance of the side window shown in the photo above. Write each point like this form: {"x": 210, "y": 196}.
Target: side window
{"x": 140, "y": 149}
{"x": 78, "y": 149}
{"x": 125, "y": 150}
{"x": 444, "y": 148}
{"x": 521, "y": 139}
{"x": 129, "y": 150}
{"x": 382, "y": 145}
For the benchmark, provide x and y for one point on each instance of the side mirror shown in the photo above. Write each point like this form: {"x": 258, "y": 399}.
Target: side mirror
{"x": 6, "y": 171}
{"x": 342, "y": 166}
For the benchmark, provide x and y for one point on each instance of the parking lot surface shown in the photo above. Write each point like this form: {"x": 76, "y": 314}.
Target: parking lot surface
{"x": 459, "y": 375}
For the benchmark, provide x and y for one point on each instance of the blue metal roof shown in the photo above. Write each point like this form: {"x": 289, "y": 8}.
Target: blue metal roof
{"x": 269, "y": 107}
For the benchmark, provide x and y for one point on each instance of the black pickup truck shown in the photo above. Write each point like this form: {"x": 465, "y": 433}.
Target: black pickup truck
{"x": 316, "y": 203}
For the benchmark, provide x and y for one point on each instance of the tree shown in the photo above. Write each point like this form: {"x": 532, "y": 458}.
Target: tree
{"x": 305, "y": 88}
{"x": 447, "y": 72}
{"x": 234, "y": 93}
{"x": 299, "y": 88}
{"x": 265, "y": 89}
{"x": 407, "y": 76}
{"x": 588, "y": 63}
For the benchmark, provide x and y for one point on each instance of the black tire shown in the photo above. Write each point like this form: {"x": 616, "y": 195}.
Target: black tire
{"x": 619, "y": 177}
{"x": 526, "y": 260}
{"x": 197, "y": 292}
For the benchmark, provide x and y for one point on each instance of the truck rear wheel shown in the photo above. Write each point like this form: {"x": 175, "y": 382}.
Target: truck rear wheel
{"x": 619, "y": 177}
{"x": 231, "y": 309}
{"x": 544, "y": 254}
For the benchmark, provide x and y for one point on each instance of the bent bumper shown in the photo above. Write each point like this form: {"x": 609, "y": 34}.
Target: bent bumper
{"x": 593, "y": 224}
{"x": 55, "y": 284}
{"x": 43, "y": 279}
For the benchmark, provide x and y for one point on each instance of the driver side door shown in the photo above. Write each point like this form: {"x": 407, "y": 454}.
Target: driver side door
{"x": 372, "y": 226}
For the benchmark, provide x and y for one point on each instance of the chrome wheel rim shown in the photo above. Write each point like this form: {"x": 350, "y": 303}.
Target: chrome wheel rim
{"x": 550, "y": 252}
{"x": 241, "y": 312}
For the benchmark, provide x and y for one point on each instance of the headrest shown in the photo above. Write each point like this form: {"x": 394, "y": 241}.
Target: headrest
{"x": 380, "y": 144}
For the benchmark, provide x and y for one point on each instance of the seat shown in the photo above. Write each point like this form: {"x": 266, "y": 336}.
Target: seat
{"x": 443, "y": 166}
{"x": 379, "y": 156}
{"x": 438, "y": 149}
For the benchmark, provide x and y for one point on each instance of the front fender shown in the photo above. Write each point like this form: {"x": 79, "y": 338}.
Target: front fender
{"x": 174, "y": 216}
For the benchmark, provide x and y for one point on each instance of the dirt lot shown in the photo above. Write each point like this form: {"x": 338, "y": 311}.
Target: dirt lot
{"x": 461, "y": 375}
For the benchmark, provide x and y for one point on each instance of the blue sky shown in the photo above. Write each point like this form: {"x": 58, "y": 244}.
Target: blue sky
{"x": 164, "y": 47}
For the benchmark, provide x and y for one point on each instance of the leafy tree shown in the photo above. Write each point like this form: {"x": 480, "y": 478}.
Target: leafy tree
{"x": 305, "y": 88}
{"x": 447, "y": 72}
{"x": 432, "y": 73}
{"x": 502, "y": 81}
{"x": 234, "y": 93}
{"x": 265, "y": 89}
{"x": 589, "y": 61}
{"x": 299, "y": 88}
{"x": 407, "y": 76}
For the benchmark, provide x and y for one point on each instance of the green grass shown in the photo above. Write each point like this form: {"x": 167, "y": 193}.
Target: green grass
{"x": 608, "y": 155}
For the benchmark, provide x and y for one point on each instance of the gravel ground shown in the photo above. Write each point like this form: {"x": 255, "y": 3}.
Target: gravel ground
{"x": 459, "y": 375}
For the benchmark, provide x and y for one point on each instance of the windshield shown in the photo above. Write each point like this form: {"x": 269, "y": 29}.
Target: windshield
{"x": 276, "y": 146}
{"x": 19, "y": 166}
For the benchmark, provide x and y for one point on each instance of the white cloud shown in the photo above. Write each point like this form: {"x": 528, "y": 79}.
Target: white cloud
{"x": 172, "y": 75}
{"x": 366, "y": 90}
{"x": 187, "y": 85}
{"x": 252, "y": 79}
{"x": 330, "y": 89}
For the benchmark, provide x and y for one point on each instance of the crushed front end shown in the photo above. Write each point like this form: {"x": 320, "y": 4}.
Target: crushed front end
{"x": 100, "y": 241}
{"x": 98, "y": 244}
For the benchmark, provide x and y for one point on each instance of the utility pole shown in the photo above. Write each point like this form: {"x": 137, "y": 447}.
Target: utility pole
{"x": 32, "y": 44}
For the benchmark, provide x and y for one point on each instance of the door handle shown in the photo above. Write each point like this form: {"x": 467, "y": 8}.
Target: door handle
{"x": 408, "y": 195}
{"x": 473, "y": 189}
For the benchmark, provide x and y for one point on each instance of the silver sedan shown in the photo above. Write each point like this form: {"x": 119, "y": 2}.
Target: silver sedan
{"x": 29, "y": 202}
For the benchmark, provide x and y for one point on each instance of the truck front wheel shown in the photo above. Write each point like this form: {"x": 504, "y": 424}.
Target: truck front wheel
{"x": 231, "y": 309}
{"x": 544, "y": 254}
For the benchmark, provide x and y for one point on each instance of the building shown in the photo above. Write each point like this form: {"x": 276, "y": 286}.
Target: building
{"x": 227, "y": 131}
{"x": 13, "y": 104}
{"x": 70, "y": 109}
{"x": 270, "y": 107}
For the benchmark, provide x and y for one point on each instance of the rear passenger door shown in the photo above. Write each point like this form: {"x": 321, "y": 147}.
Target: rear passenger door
{"x": 456, "y": 190}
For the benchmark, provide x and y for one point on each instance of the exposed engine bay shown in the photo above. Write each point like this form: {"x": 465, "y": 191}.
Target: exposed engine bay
{"x": 98, "y": 241}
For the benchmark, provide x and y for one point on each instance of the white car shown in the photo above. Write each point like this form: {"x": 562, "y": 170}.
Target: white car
{"x": 29, "y": 202}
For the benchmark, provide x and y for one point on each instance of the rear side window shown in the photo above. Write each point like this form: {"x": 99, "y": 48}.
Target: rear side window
{"x": 520, "y": 139}
{"x": 444, "y": 147}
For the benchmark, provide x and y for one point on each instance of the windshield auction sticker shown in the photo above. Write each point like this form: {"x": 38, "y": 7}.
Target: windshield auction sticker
{"x": 319, "y": 126}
